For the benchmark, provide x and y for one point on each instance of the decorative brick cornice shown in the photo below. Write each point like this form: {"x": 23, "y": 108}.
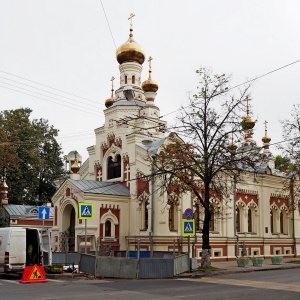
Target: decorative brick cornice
{"x": 110, "y": 206}
{"x": 247, "y": 192}
{"x": 279, "y": 196}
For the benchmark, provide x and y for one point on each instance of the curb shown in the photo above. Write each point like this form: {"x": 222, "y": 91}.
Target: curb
{"x": 67, "y": 276}
{"x": 197, "y": 274}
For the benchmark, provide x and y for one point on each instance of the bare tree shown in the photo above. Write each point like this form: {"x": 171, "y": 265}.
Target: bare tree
{"x": 290, "y": 162}
{"x": 201, "y": 156}
{"x": 291, "y": 136}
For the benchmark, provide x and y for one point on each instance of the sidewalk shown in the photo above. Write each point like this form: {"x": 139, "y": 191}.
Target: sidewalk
{"x": 229, "y": 267}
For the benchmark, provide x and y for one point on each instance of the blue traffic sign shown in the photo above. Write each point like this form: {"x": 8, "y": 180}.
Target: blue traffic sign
{"x": 86, "y": 211}
{"x": 188, "y": 214}
{"x": 44, "y": 212}
{"x": 188, "y": 227}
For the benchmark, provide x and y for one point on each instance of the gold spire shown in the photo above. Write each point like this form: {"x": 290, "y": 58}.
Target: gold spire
{"x": 266, "y": 139}
{"x": 130, "y": 51}
{"x": 150, "y": 85}
{"x": 110, "y": 101}
{"x": 232, "y": 145}
{"x": 248, "y": 123}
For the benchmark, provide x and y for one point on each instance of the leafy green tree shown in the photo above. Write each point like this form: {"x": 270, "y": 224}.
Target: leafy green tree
{"x": 38, "y": 159}
{"x": 283, "y": 164}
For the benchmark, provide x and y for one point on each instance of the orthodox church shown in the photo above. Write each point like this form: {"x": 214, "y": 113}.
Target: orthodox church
{"x": 127, "y": 209}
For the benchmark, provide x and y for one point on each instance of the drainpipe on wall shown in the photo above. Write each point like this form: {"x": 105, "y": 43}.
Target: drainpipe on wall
{"x": 152, "y": 209}
{"x": 234, "y": 218}
{"x": 293, "y": 215}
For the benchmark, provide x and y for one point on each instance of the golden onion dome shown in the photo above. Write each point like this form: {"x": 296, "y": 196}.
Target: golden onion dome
{"x": 75, "y": 168}
{"x": 109, "y": 102}
{"x": 150, "y": 86}
{"x": 4, "y": 185}
{"x": 232, "y": 147}
{"x": 130, "y": 51}
{"x": 248, "y": 123}
{"x": 266, "y": 139}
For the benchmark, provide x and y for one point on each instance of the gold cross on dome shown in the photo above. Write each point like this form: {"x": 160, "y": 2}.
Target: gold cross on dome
{"x": 130, "y": 18}
{"x": 266, "y": 128}
{"x": 112, "y": 85}
{"x": 112, "y": 81}
{"x": 149, "y": 60}
{"x": 247, "y": 101}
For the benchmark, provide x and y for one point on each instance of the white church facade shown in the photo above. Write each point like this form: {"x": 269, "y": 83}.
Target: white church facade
{"x": 127, "y": 208}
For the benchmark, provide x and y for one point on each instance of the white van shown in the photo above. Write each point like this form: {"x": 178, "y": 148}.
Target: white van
{"x": 14, "y": 248}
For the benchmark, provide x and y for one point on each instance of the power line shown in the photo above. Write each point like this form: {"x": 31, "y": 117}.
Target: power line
{"x": 112, "y": 36}
{"x": 77, "y": 105}
{"x": 50, "y": 101}
{"x": 248, "y": 81}
{"x": 45, "y": 85}
{"x": 42, "y": 90}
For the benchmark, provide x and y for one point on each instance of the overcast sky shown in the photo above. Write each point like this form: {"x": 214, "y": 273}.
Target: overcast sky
{"x": 68, "y": 47}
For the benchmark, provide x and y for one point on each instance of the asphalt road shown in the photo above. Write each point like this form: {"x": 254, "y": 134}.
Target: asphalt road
{"x": 274, "y": 284}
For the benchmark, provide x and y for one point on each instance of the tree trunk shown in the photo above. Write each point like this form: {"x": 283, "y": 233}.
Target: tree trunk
{"x": 206, "y": 249}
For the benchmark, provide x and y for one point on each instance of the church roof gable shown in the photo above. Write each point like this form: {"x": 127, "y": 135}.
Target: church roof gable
{"x": 16, "y": 211}
{"x": 100, "y": 187}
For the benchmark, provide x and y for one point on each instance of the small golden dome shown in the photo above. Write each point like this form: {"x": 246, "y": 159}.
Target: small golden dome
{"x": 232, "y": 147}
{"x": 75, "y": 168}
{"x": 4, "y": 185}
{"x": 266, "y": 139}
{"x": 248, "y": 123}
{"x": 150, "y": 86}
{"x": 130, "y": 51}
{"x": 109, "y": 102}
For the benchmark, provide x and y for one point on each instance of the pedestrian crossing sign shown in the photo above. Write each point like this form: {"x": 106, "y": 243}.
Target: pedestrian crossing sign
{"x": 188, "y": 227}
{"x": 86, "y": 211}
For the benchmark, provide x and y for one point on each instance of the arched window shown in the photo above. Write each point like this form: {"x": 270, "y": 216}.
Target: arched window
{"x": 249, "y": 220}
{"x": 146, "y": 215}
{"x": 125, "y": 79}
{"x": 133, "y": 79}
{"x": 114, "y": 167}
{"x": 238, "y": 220}
{"x": 281, "y": 222}
{"x": 272, "y": 221}
{"x": 197, "y": 217}
{"x": 107, "y": 228}
{"x": 171, "y": 216}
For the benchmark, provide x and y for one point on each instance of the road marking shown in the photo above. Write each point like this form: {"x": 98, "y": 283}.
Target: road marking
{"x": 249, "y": 283}
{"x": 2, "y": 281}
{"x": 56, "y": 280}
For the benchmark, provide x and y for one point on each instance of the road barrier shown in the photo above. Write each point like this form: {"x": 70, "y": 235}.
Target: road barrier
{"x": 122, "y": 267}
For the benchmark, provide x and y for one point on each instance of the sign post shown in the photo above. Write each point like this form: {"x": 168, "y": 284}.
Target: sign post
{"x": 44, "y": 213}
{"x": 86, "y": 212}
{"x": 188, "y": 228}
